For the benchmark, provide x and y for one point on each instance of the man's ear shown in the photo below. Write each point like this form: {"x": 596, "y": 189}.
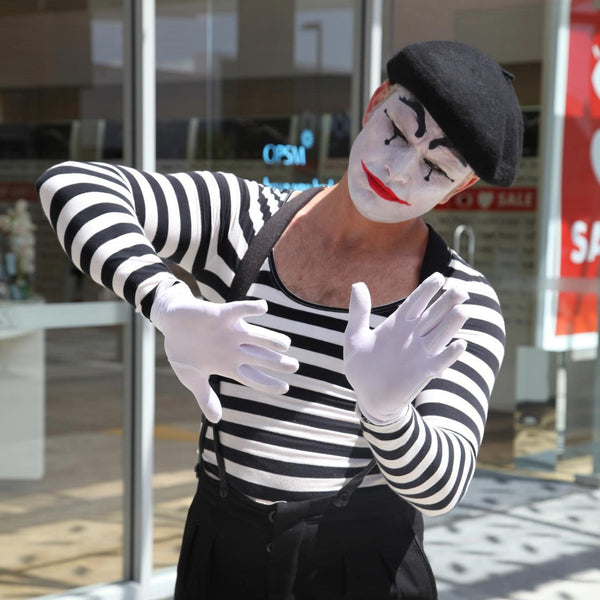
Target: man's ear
{"x": 379, "y": 95}
{"x": 468, "y": 182}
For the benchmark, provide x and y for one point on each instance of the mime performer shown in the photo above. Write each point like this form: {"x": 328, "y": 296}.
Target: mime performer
{"x": 356, "y": 372}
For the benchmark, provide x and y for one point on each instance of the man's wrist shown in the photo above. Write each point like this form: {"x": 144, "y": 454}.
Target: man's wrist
{"x": 382, "y": 420}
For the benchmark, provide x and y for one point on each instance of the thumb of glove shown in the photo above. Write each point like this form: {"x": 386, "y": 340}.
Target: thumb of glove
{"x": 359, "y": 311}
{"x": 198, "y": 383}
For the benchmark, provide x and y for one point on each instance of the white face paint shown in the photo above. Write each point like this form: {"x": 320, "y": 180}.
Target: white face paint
{"x": 401, "y": 164}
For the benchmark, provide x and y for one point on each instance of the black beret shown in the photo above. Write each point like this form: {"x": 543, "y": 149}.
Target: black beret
{"x": 471, "y": 98}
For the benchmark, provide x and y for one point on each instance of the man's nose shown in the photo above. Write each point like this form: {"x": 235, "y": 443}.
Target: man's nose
{"x": 400, "y": 167}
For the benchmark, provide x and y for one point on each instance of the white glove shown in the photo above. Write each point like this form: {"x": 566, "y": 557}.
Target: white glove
{"x": 206, "y": 338}
{"x": 389, "y": 365}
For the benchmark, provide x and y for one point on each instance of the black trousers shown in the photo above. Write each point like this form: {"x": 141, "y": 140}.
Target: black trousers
{"x": 369, "y": 546}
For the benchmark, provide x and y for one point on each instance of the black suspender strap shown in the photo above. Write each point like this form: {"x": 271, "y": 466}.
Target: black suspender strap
{"x": 259, "y": 248}
{"x": 263, "y": 241}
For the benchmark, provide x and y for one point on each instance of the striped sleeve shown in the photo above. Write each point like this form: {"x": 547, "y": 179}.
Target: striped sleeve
{"x": 429, "y": 456}
{"x": 117, "y": 224}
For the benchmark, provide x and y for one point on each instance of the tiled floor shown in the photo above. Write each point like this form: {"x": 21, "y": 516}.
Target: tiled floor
{"x": 516, "y": 538}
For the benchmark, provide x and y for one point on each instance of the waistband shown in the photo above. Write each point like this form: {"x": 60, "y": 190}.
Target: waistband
{"x": 363, "y": 503}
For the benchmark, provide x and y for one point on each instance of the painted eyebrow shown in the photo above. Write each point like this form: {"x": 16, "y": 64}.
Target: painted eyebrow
{"x": 419, "y": 111}
{"x": 444, "y": 141}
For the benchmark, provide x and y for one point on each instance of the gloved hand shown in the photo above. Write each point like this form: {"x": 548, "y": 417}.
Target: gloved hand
{"x": 389, "y": 365}
{"x": 206, "y": 338}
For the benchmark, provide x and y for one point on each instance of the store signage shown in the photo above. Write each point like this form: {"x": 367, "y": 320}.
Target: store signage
{"x": 274, "y": 154}
{"x": 287, "y": 154}
{"x": 292, "y": 156}
{"x": 491, "y": 199}
{"x": 576, "y": 317}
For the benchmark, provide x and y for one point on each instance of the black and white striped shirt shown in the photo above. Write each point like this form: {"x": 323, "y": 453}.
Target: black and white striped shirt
{"x": 116, "y": 224}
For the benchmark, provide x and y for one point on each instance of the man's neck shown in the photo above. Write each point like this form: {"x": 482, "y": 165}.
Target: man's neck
{"x": 335, "y": 212}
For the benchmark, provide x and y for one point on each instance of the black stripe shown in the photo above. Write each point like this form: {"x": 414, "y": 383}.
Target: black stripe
{"x": 205, "y": 225}
{"x": 438, "y": 409}
{"x": 245, "y": 223}
{"x": 213, "y": 281}
{"x": 410, "y": 467}
{"x": 265, "y": 493}
{"x": 313, "y": 344}
{"x": 305, "y": 444}
{"x": 72, "y": 168}
{"x": 321, "y": 398}
{"x": 263, "y": 201}
{"x": 146, "y": 303}
{"x": 434, "y": 489}
{"x": 138, "y": 197}
{"x": 136, "y": 278}
{"x": 112, "y": 263}
{"x": 162, "y": 213}
{"x": 442, "y": 481}
{"x": 86, "y": 215}
{"x": 105, "y": 235}
{"x": 388, "y": 435}
{"x": 474, "y": 376}
{"x": 185, "y": 220}
{"x": 302, "y": 315}
{"x": 396, "y": 453}
{"x": 65, "y": 194}
{"x": 485, "y": 355}
{"x": 484, "y": 301}
{"x": 323, "y": 374}
{"x": 317, "y": 422}
{"x": 486, "y": 327}
{"x": 447, "y": 410}
{"x": 285, "y": 467}
{"x": 226, "y": 250}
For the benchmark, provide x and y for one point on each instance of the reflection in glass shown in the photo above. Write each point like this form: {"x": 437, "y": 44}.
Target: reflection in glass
{"x": 61, "y": 493}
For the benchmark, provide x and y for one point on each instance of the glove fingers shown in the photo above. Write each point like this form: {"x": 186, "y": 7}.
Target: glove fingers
{"x": 212, "y": 409}
{"x": 266, "y": 338}
{"x": 243, "y": 308}
{"x": 195, "y": 381}
{"x": 420, "y": 298}
{"x": 261, "y": 382}
{"x": 438, "y": 311}
{"x": 359, "y": 310}
{"x": 447, "y": 329}
{"x": 448, "y": 357}
{"x": 262, "y": 357}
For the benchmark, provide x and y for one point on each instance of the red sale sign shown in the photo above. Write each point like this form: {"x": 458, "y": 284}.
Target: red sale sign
{"x": 580, "y": 194}
{"x": 491, "y": 198}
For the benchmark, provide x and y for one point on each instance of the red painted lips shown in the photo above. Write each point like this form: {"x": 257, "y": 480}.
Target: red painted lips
{"x": 380, "y": 188}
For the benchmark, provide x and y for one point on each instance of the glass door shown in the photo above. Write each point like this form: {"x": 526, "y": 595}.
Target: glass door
{"x": 269, "y": 99}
